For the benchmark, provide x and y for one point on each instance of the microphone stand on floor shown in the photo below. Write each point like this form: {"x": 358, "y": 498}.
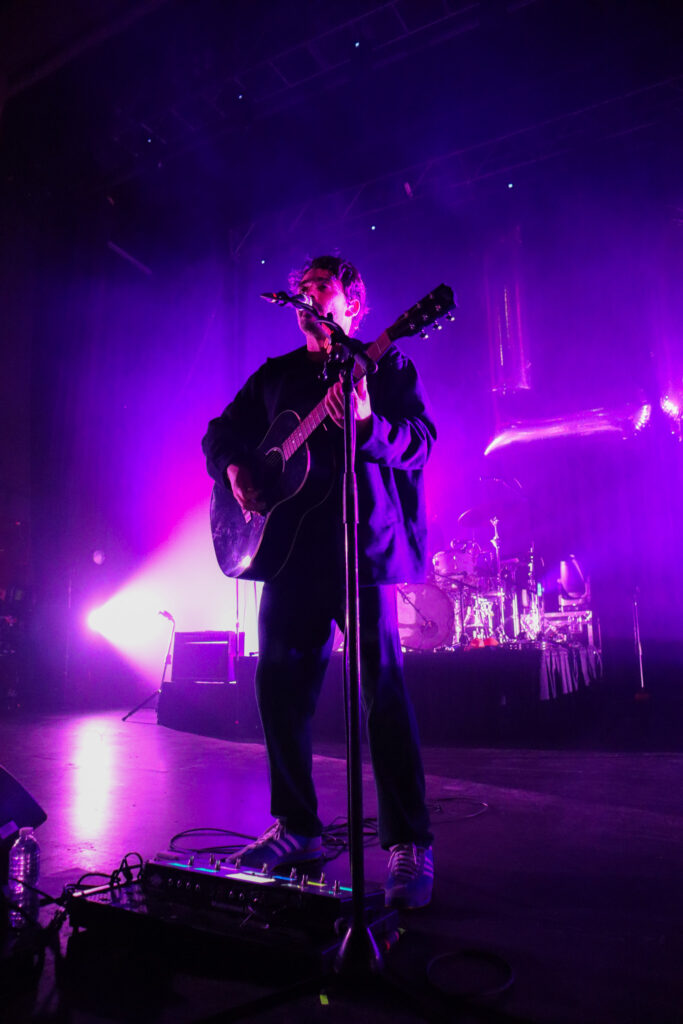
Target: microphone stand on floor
{"x": 167, "y": 662}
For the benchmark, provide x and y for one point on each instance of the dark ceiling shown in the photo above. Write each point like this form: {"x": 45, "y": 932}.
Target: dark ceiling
{"x": 218, "y": 113}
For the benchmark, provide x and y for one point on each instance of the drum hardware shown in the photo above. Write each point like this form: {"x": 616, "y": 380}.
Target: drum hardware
{"x": 478, "y": 622}
{"x": 495, "y": 600}
{"x": 578, "y": 628}
{"x": 531, "y": 620}
{"x": 460, "y": 564}
{"x": 479, "y": 515}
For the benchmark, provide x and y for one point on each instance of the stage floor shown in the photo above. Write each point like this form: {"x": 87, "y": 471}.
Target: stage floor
{"x": 564, "y": 864}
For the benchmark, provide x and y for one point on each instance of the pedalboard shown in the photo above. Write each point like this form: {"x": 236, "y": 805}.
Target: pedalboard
{"x": 181, "y": 897}
{"x": 210, "y": 882}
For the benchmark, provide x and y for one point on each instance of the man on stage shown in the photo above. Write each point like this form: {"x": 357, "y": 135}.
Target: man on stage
{"x": 303, "y": 599}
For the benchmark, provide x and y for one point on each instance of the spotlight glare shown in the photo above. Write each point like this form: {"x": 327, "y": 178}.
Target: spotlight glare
{"x": 183, "y": 575}
{"x": 643, "y": 417}
{"x": 94, "y": 620}
{"x": 669, "y": 406}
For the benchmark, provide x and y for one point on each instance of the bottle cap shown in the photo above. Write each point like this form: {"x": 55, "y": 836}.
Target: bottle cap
{"x": 26, "y": 830}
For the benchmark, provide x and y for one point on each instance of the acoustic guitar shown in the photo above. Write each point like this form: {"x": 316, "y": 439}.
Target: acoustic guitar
{"x": 257, "y": 545}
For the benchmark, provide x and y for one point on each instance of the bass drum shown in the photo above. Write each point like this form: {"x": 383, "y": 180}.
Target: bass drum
{"x": 425, "y": 617}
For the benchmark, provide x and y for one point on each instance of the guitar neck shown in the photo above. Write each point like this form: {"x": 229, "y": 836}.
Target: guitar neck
{"x": 316, "y": 416}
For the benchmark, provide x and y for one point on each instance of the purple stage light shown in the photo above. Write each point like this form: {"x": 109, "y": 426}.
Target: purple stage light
{"x": 643, "y": 417}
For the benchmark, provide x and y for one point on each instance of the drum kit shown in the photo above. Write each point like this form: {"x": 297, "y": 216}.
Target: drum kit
{"x": 473, "y": 598}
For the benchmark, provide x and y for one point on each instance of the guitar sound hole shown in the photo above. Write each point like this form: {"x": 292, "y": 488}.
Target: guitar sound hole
{"x": 274, "y": 465}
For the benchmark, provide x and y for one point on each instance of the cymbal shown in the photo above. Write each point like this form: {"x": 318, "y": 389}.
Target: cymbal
{"x": 480, "y": 515}
{"x": 494, "y": 498}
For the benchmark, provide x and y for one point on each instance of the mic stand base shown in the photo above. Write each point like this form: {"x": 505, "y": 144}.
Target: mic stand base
{"x": 358, "y": 956}
{"x": 142, "y": 704}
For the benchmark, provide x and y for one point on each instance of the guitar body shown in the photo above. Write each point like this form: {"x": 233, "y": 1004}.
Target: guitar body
{"x": 256, "y": 546}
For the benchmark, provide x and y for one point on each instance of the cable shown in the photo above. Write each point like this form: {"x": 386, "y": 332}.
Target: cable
{"x": 225, "y": 848}
{"x": 437, "y": 807}
{"x": 124, "y": 874}
{"x": 335, "y": 835}
{"x": 334, "y": 838}
{"x": 474, "y": 956}
{"x": 47, "y": 899}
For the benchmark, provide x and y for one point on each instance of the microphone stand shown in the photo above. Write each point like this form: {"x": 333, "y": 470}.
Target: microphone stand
{"x": 358, "y": 953}
{"x": 358, "y": 956}
{"x": 167, "y": 662}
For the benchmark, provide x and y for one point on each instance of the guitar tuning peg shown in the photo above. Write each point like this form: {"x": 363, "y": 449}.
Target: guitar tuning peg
{"x": 450, "y": 317}
{"x": 424, "y": 334}
{"x": 438, "y": 326}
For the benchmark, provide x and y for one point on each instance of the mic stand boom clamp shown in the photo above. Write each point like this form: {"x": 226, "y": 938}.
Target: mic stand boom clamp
{"x": 346, "y": 346}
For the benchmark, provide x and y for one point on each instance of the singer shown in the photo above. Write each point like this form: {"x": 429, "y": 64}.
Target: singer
{"x": 300, "y": 605}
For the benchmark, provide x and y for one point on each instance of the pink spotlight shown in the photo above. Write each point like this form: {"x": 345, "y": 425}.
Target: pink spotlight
{"x": 184, "y": 577}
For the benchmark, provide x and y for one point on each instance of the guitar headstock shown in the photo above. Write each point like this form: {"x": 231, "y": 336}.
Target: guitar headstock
{"x": 427, "y": 311}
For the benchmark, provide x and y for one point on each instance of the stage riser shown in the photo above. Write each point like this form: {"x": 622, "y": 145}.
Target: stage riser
{"x": 464, "y": 696}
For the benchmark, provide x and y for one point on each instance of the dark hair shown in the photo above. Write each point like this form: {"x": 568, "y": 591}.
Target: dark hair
{"x": 345, "y": 272}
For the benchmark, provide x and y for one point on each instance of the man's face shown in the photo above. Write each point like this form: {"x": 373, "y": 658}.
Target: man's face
{"x": 327, "y": 297}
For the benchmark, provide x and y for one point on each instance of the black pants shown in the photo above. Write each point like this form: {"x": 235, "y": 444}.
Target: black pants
{"x": 296, "y": 629}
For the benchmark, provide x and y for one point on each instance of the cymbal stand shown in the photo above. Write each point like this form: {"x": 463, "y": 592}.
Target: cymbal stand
{"x": 464, "y": 639}
{"x": 500, "y": 594}
{"x": 637, "y": 639}
{"x": 535, "y": 609}
{"x": 495, "y": 542}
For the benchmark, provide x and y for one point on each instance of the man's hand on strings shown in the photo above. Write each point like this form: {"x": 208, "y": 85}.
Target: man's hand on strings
{"x": 360, "y": 403}
{"x": 249, "y": 496}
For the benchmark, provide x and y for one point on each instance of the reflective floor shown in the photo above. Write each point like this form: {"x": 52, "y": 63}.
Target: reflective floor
{"x": 557, "y": 876}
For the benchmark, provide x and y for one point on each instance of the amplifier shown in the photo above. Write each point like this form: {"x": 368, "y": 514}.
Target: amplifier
{"x": 208, "y": 656}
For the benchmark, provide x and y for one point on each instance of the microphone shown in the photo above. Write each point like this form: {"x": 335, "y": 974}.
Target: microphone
{"x": 167, "y": 615}
{"x": 282, "y": 298}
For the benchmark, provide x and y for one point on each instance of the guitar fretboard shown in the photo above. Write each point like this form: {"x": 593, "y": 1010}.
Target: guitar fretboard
{"x": 316, "y": 416}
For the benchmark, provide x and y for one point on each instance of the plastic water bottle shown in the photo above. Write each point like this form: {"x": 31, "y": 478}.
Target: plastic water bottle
{"x": 24, "y": 871}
